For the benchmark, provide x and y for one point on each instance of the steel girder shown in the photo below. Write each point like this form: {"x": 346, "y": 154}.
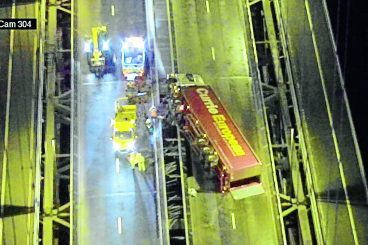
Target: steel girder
{"x": 294, "y": 187}
{"x": 56, "y": 166}
{"x": 175, "y": 183}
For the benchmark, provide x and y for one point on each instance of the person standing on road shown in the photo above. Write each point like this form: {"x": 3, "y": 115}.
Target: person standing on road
{"x": 132, "y": 160}
{"x": 137, "y": 159}
{"x": 141, "y": 162}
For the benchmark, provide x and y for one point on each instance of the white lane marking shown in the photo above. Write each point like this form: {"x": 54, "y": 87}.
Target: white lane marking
{"x": 207, "y": 6}
{"x": 213, "y": 53}
{"x": 117, "y": 165}
{"x": 233, "y": 220}
{"x": 119, "y": 225}
{"x": 113, "y": 10}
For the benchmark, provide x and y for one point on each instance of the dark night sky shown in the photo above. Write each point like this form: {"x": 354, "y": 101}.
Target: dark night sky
{"x": 350, "y": 23}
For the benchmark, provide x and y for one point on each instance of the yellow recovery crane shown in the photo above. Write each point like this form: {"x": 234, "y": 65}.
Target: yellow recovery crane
{"x": 100, "y": 55}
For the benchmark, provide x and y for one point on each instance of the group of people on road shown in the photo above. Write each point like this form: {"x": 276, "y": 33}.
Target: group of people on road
{"x": 159, "y": 112}
{"x": 140, "y": 92}
{"x": 135, "y": 159}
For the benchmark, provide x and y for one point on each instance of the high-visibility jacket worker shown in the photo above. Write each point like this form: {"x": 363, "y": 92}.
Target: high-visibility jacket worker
{"x": 132, "y": 160}
{"x": 137, "y": 159}
{"x": 141, "y": 162}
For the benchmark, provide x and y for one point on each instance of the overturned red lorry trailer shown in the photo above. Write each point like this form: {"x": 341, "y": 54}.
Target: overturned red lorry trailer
{"x": 215, "y": 136}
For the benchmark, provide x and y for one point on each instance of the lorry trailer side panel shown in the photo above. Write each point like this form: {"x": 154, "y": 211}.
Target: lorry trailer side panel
{"x": 233, "y": 150}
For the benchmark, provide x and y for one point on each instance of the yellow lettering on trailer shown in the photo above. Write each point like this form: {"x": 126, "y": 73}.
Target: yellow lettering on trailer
{"x": 220, "y": 123}
{"x": 227, "y": 135}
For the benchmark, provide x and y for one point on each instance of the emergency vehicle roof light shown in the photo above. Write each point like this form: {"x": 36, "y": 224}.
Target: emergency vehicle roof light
{"x": 105, "y": 45}
{"x": 136, "y": 42}
{"x": 87, "y": 46}
{"x": 130, "y": 146}
{"x": 115, "y": 146}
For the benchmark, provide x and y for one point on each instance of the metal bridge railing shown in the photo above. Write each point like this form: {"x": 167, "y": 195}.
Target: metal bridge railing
{"x": 329, "y": 157}
{"x": 75, "y": 125}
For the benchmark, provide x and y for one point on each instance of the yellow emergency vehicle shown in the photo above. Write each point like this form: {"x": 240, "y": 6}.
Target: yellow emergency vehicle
{"x": 124, "y": 126}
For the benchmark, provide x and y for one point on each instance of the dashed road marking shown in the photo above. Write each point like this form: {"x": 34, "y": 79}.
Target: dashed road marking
{"x": 117, "y": 165}
{"x": 112, "y": 10}
{"x": 233, "y": 220}
{"x": 120, "y": 225}
{"x": 213, "y": 53}
{"x": 207, "y": 7}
